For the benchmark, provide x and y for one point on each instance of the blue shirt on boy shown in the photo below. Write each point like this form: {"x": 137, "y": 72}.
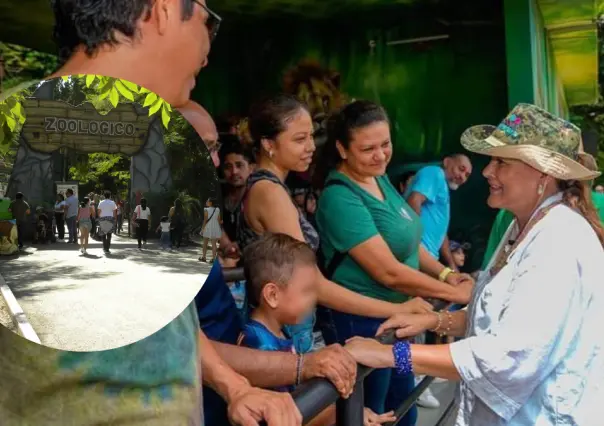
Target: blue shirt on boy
{"x": 435, "y": 212}
{"x": 255, "y": 335}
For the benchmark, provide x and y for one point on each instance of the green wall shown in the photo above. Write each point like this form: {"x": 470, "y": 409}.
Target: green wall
{"x": 531, "y": 67}
{"x": 432, "y": 92}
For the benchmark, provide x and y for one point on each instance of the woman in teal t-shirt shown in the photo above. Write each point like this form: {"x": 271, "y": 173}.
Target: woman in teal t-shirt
{"x": 363, "y": 221}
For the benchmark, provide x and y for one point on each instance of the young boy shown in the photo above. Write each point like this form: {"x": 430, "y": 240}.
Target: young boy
{"x": 281, "y": 274}
{"x": 164, "y": 227}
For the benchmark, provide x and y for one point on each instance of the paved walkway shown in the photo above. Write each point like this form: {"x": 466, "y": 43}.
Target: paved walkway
{"x": 97, "y": 302}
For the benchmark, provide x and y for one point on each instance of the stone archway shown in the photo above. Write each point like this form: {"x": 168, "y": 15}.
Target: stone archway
{"x": 52, "y": 125}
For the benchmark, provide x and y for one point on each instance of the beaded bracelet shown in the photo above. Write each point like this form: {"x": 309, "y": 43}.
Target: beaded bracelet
{"x": 440, "y": 323}
{"x": 450, "y": 324}
{"x": 299, "y": 369}
{"x": 402, "y": 357}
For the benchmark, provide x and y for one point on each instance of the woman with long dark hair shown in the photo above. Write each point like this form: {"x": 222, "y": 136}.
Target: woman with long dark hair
{"x": 282, "y": 130}
{"x": 177, "y": 222}
{"x": 371, "y": 237}
{"x": 142, "y": 218}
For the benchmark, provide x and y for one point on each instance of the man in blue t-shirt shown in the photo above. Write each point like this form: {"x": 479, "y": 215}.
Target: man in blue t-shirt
{"x": 428, "y": 195}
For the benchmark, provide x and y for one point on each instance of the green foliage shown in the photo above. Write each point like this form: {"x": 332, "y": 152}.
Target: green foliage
{"x": 106, "y": 93}
{"x": 23, "y": 64}
{"x": 100, "y": 170}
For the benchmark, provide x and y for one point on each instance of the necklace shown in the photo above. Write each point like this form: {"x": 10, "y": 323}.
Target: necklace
{"x": 503, "y": 255}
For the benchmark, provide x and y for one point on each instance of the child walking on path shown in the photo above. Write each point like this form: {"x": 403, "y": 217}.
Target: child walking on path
{"x": 164, "y": 227}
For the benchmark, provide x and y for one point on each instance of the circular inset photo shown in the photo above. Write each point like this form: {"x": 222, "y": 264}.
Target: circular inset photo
{"x": 108, "y": 212}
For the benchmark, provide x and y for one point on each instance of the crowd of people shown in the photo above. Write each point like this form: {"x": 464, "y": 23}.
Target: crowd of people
{"x": 100, "y": 216}
{"x": 353, "y": 274}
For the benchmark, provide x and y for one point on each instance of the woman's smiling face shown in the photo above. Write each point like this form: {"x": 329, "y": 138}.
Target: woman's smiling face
{"x": 294, "y": 147}
{"x": 513, "y": 185}
{"x": 370, "y": 150}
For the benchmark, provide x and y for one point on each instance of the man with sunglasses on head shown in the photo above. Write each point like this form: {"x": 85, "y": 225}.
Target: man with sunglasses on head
{"x": 160, "y": 45}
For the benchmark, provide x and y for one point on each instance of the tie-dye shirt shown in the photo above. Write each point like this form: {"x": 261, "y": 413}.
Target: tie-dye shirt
{"x": 153, "y": 382}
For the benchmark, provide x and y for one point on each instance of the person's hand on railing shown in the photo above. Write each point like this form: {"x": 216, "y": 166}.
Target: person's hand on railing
{"x": 370, "y": 352}
{"x": 373, "y": 419}
{"x": 406, "y": 325}
{"x": 416, "y": 305}
{"x": 253, "y": 405}
{"x": 334, "y": 364}
{"x": 464, "y": 291}
{"x": 457, "y": 278}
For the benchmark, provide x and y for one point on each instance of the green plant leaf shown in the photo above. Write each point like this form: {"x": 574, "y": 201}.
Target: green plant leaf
{"x": 131, "y": 86}
{"x": 150, "y": 99}
{"x": 165, "y": 115}
{"x": 90, "y": 79}
{"x": 123, "y": 90}
{"x": 114, "y": 97}
{"x": 10, "y": 122}
{"x": 156, "y": 106}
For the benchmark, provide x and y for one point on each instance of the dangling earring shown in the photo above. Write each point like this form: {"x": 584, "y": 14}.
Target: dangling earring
{"x": 540, "y": 190}
{"x": 270, "y": 154}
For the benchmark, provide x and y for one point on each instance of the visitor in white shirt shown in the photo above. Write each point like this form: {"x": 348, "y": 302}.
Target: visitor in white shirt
{"x": 107, "y": 214}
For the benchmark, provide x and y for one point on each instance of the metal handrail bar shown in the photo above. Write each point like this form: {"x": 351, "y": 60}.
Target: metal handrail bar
{"x": 446, "y": 414}
{"x": 315, "y": 395}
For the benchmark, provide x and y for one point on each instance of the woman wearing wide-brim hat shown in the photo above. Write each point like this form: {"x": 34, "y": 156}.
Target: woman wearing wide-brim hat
{"x": 533, "y": 352}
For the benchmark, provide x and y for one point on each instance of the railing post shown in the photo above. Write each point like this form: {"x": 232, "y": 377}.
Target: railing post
{"x": 350, "y": 412}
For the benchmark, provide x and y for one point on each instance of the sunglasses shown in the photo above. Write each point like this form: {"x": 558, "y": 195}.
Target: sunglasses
{"x": 213, "y": 21}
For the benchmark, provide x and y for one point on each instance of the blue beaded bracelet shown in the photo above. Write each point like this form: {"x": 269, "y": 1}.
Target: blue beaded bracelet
{"x": 402, "y": 357}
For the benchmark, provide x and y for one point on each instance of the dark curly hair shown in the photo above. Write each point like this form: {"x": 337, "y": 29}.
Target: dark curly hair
{"x": 92, "y": 23}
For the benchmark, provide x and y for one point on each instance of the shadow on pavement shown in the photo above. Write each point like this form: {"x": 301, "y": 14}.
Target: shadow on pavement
{"x": 29, "y": 283}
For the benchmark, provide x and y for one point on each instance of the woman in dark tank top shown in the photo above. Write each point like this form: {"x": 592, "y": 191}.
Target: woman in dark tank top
{"x": 282, "y": 130}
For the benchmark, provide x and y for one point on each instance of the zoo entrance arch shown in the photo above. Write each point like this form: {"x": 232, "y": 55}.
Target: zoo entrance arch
{"x": 53, "y": 125}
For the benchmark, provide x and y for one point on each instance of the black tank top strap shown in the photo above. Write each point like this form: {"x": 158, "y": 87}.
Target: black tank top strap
{"x": 246, "y": 235}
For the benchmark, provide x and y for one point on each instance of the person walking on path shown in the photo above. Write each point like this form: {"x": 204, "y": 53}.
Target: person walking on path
{"x": 142, "y": 218}
{"x": 85, "y": 213}
{"x": 165, "y": 239}
{"x": 177, "y": 223}
{"x": 71, "y": 214}
{"x": 107, "y": 214}
{"x": 211, "y": 230}
{"x": 20, "y": 210}
{"x": 120, "y": 216}
{"x": 60, "y": 216}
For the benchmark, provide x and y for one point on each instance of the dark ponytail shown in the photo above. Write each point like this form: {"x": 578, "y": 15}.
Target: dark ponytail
{"x": 340, "y": 128}
{"x": 268, "y": 117}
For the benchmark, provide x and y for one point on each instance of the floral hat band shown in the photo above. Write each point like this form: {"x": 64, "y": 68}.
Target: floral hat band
{"x": 536, "y": 137}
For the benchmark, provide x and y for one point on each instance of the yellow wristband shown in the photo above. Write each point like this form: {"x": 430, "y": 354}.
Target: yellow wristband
{"x": 444, "y": 274}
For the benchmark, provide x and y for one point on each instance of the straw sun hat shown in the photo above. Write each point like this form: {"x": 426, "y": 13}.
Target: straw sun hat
{"x": 536, "y": 137}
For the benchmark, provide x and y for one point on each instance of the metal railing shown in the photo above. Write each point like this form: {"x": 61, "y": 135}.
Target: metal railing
{"x": 315, "y": 395}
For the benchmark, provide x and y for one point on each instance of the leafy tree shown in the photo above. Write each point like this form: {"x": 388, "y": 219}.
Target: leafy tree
{"x": 23, "y": 64}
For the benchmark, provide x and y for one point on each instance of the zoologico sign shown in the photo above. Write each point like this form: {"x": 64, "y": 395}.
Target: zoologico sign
{"x": 51, "y": 125}
{"x": 90, "y": 127}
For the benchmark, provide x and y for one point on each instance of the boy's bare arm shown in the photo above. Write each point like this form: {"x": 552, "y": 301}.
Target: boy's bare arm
{"x": 275, "y": 369}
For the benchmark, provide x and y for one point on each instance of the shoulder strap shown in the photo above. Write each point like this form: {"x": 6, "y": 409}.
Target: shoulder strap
{"x": 330, "y": 268}
{"x": 212, "y": 215}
